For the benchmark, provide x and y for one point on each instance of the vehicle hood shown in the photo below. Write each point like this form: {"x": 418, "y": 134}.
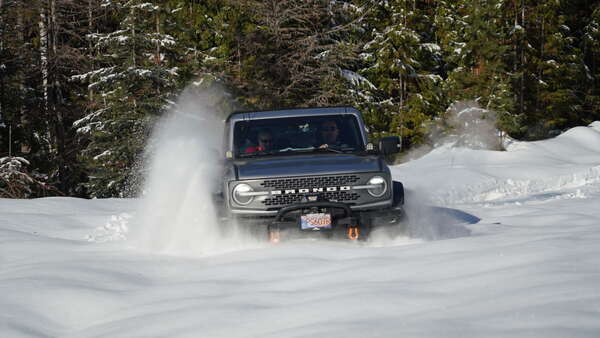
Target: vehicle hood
{"x": 301, "y": 165}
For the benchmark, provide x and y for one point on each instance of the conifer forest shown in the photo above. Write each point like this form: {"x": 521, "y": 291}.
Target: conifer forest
{"x": 82, "y": 82}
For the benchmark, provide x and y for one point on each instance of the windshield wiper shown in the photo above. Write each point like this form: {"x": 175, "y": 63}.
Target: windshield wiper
{"x": 290, "y": 150}
{"x": 258, "y": 153}
{"x": 253, "y": 154}
{"x": 294, "y": 150}
{"x": 330, "y": 149}
{"x": 337, "y": 149}
{"x": 315, "y": 149}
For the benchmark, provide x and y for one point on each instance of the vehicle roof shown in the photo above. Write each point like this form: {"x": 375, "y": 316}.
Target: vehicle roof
{"x": 293, "y": 112}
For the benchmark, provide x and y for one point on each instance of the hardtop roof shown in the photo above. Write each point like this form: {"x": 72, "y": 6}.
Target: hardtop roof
{"x": 292, "y": 112}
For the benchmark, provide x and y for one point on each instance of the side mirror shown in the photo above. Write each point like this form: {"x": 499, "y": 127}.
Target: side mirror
{"x": 389, "y": 145}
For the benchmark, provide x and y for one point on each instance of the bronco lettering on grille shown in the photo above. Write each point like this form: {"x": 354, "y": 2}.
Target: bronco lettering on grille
{"x": 304, "y": 191}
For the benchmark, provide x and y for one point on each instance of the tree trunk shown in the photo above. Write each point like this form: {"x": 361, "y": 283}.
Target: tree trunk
{"x": 1, "y": 23}
{"x": 158, "y": 58}
{"x": 1, "y": 47}
{"x": 43, "y": 27}
{"x": 133, "y": 62}
{"x": 57, "y": 97}
{"x": 90, "y": 45}
{"x": 401, "y": 108}
{"x": 57, "y": 103}
{"x": 516, "y": 58}
{"x": 401, "y": 89}
{"x": 21, "y": 118}
{"x": 522, "y": 61}
{"x": 540, "y": 74}
{"x": 158, "y": 39}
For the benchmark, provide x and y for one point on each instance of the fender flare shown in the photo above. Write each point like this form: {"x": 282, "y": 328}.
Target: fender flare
{"x": 398, "y": 193}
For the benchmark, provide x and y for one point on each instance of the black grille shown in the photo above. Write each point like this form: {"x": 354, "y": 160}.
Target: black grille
{"x": 340, "y": 196}
{"x": 310, "y": 182}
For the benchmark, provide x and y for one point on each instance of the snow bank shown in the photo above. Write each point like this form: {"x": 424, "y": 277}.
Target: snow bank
{"x": 567, "y": 166}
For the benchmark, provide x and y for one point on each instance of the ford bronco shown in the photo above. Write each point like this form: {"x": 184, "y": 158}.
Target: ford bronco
{"x": 308, "y": 171}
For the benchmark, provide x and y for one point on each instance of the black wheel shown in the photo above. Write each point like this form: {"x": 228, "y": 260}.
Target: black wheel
{"x": 393, "y": 222}
{"x": 366, "y": 223}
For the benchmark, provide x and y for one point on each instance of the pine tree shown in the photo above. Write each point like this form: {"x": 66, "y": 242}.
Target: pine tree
{"x": 10, "y": 71}
{"x": 475, "y": 41}
{"x": 16, "y": 181}
{"x": 590, "y": 49}
{"x": 285, "y": 53}
{"x": 40, "y": 101}
{"x": 558, "y": 70}
{"x": 193, "y": 25}
{"x": 401, "y": 62}
{"x": 135, "y": 83}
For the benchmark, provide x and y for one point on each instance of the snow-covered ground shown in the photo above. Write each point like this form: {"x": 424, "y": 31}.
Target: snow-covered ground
{"x": 530, "y": 267}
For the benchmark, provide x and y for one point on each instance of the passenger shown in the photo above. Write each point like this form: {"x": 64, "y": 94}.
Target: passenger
{"x": 264, "y": 142}
{"x": 329, "y": 134}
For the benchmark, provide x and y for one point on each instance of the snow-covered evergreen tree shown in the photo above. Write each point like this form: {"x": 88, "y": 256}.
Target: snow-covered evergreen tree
{"x": 591, "y": 63}
{"x": 134, "y": 84}
{"x": 193, "y": 24}
{"x": 16, "y": 181}
{"x": 285, "y": 53}
{"x": 558, "y": 68}
{"x": 401, "y": 62}
{"x": 474, "y": 36}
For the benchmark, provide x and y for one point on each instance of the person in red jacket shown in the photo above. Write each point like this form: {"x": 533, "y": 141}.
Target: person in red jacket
{"x": 264, "y": 142}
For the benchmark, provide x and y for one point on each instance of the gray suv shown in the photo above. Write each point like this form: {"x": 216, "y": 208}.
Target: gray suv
{"x": 308, "y": 171}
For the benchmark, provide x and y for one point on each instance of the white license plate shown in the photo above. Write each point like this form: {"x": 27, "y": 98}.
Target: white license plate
{"x": 315, "y": 221}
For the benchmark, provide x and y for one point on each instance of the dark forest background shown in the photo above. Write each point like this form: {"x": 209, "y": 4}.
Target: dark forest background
{"x": 83, "y": 81}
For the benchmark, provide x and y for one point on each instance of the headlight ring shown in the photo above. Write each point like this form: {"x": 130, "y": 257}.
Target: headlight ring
{"x": 378, "y": 186}
{"x": 240, "y": 194}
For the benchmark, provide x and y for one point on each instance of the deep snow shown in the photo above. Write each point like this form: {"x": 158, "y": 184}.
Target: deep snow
{"x": 530, "y": 267}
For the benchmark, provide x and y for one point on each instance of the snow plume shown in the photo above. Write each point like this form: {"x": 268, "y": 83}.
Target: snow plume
{"x": 472, "y": 126}
{"x": 466, "y": 125}
{"x": 424, "y": 222}
{"x": 176, "y": 214}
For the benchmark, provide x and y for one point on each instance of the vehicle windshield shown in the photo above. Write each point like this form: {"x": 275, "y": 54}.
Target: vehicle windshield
{"x": 267, "y": 137}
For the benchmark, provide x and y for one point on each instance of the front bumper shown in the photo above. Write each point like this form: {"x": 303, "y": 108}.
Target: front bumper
{"x": 273, "y": 213}
{"x": 354, "y": 223}
{"x": 342, "y": 215}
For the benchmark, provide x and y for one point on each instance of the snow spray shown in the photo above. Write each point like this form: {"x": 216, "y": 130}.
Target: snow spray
{"x": 466, "y": 125}
{"x": 470, "y": 127}
{"x": 474, "y": 127}
{"x": 424, "y": 222}
{"x": 176, "y": 214}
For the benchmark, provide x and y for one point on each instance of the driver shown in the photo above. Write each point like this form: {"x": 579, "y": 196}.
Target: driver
{"x": 264, "y": 142}
{"x": 329, "y": 134}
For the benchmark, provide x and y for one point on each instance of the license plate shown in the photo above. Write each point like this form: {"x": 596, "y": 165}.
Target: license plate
{"x": 315, "y": 221}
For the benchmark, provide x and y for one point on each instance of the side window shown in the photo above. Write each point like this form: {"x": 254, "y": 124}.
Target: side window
{"x": 241, "y": 137}
{"x": 346, "y": 131}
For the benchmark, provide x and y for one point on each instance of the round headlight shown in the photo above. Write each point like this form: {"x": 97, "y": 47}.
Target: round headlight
{"x": 379, "y": 186}
{"x": 240, "y": 195}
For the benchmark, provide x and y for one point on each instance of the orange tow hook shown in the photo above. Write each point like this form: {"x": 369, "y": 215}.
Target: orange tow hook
{"x": 353, "y": 233}
{"x": 274, "y": 237}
